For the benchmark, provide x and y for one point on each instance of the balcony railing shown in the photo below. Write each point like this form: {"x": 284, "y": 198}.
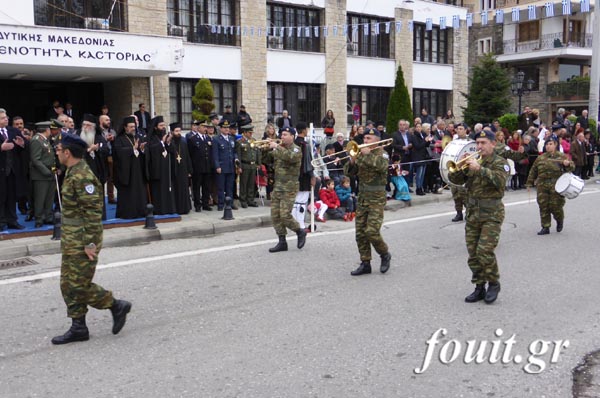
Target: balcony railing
{"x": 565, "y": 91}
{"x": 549, "y": 41}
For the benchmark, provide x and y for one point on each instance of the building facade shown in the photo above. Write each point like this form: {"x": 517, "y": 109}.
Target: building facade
{"x": 155, "y": 52}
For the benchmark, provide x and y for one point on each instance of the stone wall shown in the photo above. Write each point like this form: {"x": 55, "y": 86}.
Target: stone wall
{"x": 336, "y": 91}
{"x": 460, "y": 72}
{"x": 403, "y": 48}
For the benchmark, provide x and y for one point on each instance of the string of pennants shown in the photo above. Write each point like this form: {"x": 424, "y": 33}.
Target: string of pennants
{"x": 387, "y": 27}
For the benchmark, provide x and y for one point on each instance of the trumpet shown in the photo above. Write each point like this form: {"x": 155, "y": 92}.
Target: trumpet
{"x": 264, "y": 144}
{"x": 353, "y": 150}
{"x": 462, "y": 164}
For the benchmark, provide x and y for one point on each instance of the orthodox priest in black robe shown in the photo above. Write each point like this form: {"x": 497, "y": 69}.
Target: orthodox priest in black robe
{"x": 181, "y": 170}
{"x": 97, "y": 152}
{"x": 128, "y": 168}
{"x": 158, "y": 167}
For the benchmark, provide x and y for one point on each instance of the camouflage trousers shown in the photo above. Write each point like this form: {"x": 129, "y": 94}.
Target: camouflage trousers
{"x": 459, "y": 194}
{"x": 78, "y": 291}
{"x": 368, "y": 221}
{"x": 550, "y": 203}
{"x": 248, "y": 184}
{"x": 282, "y": 204}
{"x": 482, "y": 233}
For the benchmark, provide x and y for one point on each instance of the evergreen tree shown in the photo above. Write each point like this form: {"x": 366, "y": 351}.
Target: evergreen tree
{"x": 203, "y": 99}
{"x": 489, "y": 92}
{"x": 399, "y": 104}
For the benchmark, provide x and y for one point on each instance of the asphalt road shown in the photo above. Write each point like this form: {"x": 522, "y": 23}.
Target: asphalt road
{"x": 221, "y": 317}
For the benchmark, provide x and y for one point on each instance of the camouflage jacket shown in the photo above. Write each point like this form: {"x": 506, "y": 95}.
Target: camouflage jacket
{"x": 546, "y": 169}
{"x": 287, "y": 167}
{"x": 505, "y": 152}
{"x": 81, "y": 209}
{"x": 371, "y": 169}
{"x": 487, "y": 183}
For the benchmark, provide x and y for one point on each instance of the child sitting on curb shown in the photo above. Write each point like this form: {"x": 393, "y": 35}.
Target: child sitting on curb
{"x": 347, "y": 198}
{"x": 330, "y": 199}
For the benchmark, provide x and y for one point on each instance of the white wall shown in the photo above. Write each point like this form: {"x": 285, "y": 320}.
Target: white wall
{"x": 213, "y": 62}
{"x": 16, "y": 12}
{"x": 510, "y": 32}
{"x": 295, "y": 67}
{"x": 421, "y": 9}
{"x": 436, "y": 77}
{"x": 370, "y": 72}
{"x": 552, "y": 25}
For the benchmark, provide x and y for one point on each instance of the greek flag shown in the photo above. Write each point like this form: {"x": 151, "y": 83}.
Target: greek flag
{"x": 515, "y": 14}
{"x": 238, "y": 30}
{"x": 499, "y": 16}
{"x": 290, "y": 31}
{"x": 585, "y": 5}
{"x": 456, "y": 22}
{"x": 410, "y": 26}
{"x": 244, "y": 31}
{"x": 252, "y": 31}
{"x": 366, "y": 28}
{"x": 268, "y": 31}
{"x": 469, "y": 19}
{"x": 259, "y": 32}
{"x": 387, "y": 27}
{"x": 334, "y": 30}
{"x": 566, "y": 5}
{"x": 549, "y": 9}
{"x": 298, "y": 31}
{"x": 376, "y": 28}
{"x": 213, "y": 29}
{"x": 325, "y": 31}
{"x": 484, "y": 18}
{"x": 218, "y": 29}
{"x": 231, "y": 30}
{"x": 428, "y": 24}
{"x": 399, "y": 26}
{"x": 531, "y": 12}
{"x": 225, "y": 30}
{"x": 442, "y": 23}
{"x": 354, "y": 29}
{"x": 316, "y": 31}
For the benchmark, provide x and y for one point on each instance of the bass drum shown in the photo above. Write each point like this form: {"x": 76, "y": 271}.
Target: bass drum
{"x": 454, "y": 151}
{"x": 569, "y": 185}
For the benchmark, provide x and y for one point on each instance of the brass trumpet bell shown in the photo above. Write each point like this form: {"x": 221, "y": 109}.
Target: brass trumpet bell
{"x": 264, "y": 143}
{"x": 462, "y": 164}
{"x": 352, "y": 150}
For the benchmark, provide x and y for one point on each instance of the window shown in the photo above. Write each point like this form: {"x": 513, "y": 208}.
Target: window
{"x": 80, "y": 14}
{"x": 302, "y": 101}
{"x": 369, "y": 44}
{"x": 531, "y": 72}
{"x": 181, "y": 92}
{"x": 430, "y": 45}
{"x": 529, "y": 31}
{"x": 484, "y": 46}
{"x": 373, "y": 102}
{"x": 194, "y": 20}
{"x": 485, "y": 5}
{"x": 279, "y": 16}
{"x": 436, "y": 101}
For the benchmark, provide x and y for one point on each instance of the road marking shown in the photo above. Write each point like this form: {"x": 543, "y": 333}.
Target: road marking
{"x": 54, "y": 274}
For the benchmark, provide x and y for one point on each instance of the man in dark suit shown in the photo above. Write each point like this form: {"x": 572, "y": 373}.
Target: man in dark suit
{"x": 583, "y": 120}
{"x": 200, "y": 149}
{"x": 578, "y": 154}
{"x": 143, "y": 117}
{"x": 12, "y": 182}
{"x": 403, "y": 146}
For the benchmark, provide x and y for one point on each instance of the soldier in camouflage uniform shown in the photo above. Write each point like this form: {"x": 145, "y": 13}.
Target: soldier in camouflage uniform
{"x": 81, "y": 241}
{"x": 546, "y": 169}
{"x": 41, "y": 172}
{"x": 371, "y": 167}
{"x": 250, "y": 160}
{"x": 287, "y": 158}
{"x": 459, "y": 193}
{"x": 484, "y": 180}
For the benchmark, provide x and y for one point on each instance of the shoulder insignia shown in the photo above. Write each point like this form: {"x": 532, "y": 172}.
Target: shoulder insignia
{"x": 385, "y": 155}
{"x": 89, "y": 189}
{"x": 296, "y": 150}
{"x": 506, "y": 168}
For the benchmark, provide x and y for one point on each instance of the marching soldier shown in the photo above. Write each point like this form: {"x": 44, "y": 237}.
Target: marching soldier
{"x": 546, "y": 169}
{"x": 371, "y": 167}
{"x": 81, "y": 241}
{"x": 250, "y": 159}
{"x": 484, "y": 181}
{"x": 287, "y": 158}
{"x": 459, "y": 194}
{"x": 42, "y": 168}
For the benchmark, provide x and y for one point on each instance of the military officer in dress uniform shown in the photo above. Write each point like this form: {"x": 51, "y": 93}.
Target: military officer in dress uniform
{"x": 250, "y": 159}
{"x": 81, "y": 241}
{"x": 200, "y": 149}
{"x": 484, "y": 181}
{"x": 41, "y": 171}
{"x": 224, "y": 157}
{"x": 287, "y": 158}
{"x": 371, "y": 167}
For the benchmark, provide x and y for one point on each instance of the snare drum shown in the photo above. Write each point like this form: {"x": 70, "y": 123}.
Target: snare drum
{"x": 454, "y": 151}
{"x": 569, "y": 185}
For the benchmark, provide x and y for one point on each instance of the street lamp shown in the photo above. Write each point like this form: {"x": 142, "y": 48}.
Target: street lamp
{"x": 519, "y": 86}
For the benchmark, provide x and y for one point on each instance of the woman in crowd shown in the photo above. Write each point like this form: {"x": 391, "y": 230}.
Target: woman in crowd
{"x": 514, "y": 143}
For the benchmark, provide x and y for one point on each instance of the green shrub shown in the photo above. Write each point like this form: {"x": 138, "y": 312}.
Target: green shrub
{"x": 509, "y": 121}
{"x": 203, "y": 99}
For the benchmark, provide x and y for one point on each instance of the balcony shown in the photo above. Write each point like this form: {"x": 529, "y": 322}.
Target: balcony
{"x": 578, "y": 89}
{"x": 549, "y": 41}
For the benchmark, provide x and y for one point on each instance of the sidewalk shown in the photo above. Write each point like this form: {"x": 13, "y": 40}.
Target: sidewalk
{"x": 191, "y": 225}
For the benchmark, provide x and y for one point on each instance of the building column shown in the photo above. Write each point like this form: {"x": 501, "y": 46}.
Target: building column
{"x": 336, "y": 92}
{"x": 460, "y": 71}
{"x": 403, "y": 52}
{"x": 254, "y": 64}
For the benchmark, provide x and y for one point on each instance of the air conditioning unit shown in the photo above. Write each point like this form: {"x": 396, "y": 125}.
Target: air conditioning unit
{"x": 97, "y": 23}
{"x": 180, "y": 31}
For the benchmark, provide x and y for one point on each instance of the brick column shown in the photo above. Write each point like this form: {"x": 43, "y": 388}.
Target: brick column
{"x": 254, "y": 63}
{"x": 336, "y": 90}
{"x": 460, "y": 71}
{"x": 403, "y": 48}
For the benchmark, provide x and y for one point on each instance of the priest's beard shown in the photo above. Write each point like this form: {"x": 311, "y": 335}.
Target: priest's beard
{"x": 88, "y": 135}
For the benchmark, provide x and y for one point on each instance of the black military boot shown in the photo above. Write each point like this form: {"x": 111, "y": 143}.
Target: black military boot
{"x": 492, "y": 292}
{"x": 119, "y": 309}
{"x": 385, "y": 263}
{"x": 544, "y": 231}
{"x": 281, "y": 245}
{"x": 458, "y": 217}
{"x": 77, "y": 332}
{"x": 478, "y": 294}
{"x": 301, "y": 238}
{"x": 363, "y": 268}
{"x": 559, "y": 226}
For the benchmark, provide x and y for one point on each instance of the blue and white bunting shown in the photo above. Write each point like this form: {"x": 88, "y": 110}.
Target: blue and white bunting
{"x": 566, "y": 7}
{"x": 366, "y": 29}
{"x": 290, "y": 31}
{"x": 231, "y": 29}
{"x": 218, "y": 29}
{"x": 225, "y": 30}
{"x": 354, "y": 30}
{"x": 244, "y": 31}
{"x": 251, "y": 30}
{"x": 238, "y": 30}
{"x": 376, "y": 28}
{"x": 469, "y": 19}
{"x": 259, "y": 32}
{"x": 334, "y": 30}
{"x": 316, "y": 34}
{"x": 298, "y": 31}
{"x": 442, "y": 23}
{"x": 456, "y": 21}
{"x": 345, "y": 30}
{"x": 399, "y": 26}
{"x": 585, "y": 5}
{"x": 549, "y": 7}
{"x": 307, "y": 31}
{"x": 428, "y": 24}
{"x": 411, "y": 26}
{"x": 531, "y": 12}
{"x": 499, "y": 16}
{"x": 387, "y": 27}
{"x": 325, "y": 31}
{"x": 515, "y": 14}
{"x": 484, "y": 18}
{"x": 213, "y": 29}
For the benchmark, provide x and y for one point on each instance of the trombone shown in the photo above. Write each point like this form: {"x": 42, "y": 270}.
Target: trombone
{"x": 462, "y": 165}
{"x": 353, "y": 150}
{"x": 264, "y": 144}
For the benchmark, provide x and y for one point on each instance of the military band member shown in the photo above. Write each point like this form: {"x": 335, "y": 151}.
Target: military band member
{"x": 371, "y": 167}
{"x": 484, "y": 181}
{"x": 81, "y": 241}
{"x": 287, "y": 158}
{"x": 545, "y": 171}
{"x": 42, "y": 168}
{"x": 250, "y": 159}
{"x": 459, "y": 194}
